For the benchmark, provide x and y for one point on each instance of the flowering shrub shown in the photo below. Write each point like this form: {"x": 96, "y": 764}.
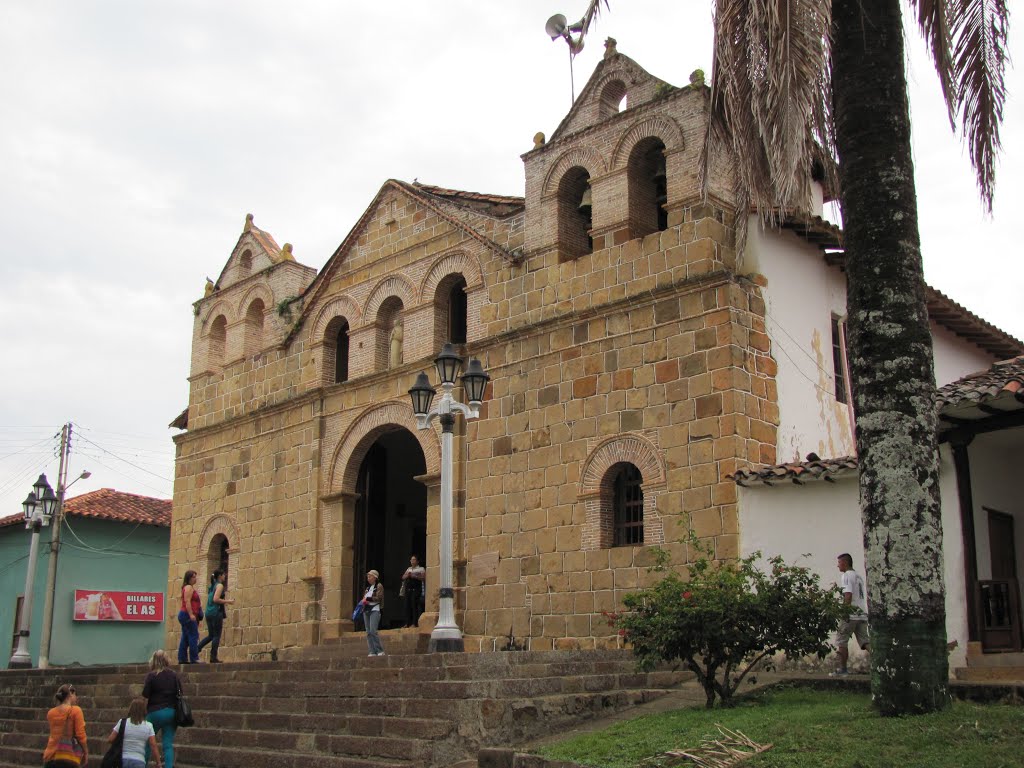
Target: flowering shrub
{"x": 726, "y": 618}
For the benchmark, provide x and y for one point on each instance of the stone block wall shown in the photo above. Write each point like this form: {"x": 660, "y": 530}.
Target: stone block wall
{"x": 256, "y": 483}
{"x": 649, "y": 350}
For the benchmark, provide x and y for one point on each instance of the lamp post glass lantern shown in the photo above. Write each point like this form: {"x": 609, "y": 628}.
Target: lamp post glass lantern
{"x": 446, "y": 635}
{"x": 37, "y": 507}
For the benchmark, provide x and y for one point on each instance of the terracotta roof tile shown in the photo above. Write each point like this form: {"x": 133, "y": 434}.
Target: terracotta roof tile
{"x": 814, "y": 229}
{"x": 1002, "y": 380}
{"x": 996, "y": 390}
{"x": 117, "y": 506}
{"x": 796, "y": 472}
{"x": 266, "y": 240}
{"x": 491, "y": 205}
{"x": 964, "y": 323}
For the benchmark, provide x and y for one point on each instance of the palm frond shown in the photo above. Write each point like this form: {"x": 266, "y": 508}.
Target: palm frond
{"x": 771, "y": 100}
{"x": 592, "y": 12}
{"x": 978, "y": 33}
{"x": 933, "y": 18}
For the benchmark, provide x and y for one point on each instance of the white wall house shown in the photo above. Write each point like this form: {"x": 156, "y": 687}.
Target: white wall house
{"x": 806, "y": 508}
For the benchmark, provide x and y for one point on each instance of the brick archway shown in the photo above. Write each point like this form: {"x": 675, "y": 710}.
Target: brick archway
{"x": 218, "y": 524}
{"x": 594, "y": 487}
{"x": 365, "y": 430}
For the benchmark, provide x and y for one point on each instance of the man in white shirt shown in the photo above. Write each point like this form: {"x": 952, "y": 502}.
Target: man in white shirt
{"x": 857, "y": 625}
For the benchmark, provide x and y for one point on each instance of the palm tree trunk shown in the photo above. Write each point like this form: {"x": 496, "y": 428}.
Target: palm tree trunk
{"x": 891, "y": 360}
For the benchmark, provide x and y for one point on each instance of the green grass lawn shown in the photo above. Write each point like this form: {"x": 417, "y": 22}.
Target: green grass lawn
{"x": 818, "y": 729}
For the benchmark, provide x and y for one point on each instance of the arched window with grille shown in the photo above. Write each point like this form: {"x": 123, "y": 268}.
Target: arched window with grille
{"x": 627, "y": 505}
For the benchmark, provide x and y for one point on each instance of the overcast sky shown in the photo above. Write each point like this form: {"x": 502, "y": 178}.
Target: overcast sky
{"x": 137, "y": 135}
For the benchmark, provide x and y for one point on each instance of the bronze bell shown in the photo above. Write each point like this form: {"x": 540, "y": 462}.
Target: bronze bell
{"x": 585, "y": 201}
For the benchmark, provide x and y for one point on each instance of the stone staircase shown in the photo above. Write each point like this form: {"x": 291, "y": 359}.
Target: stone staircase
{"x": 992, "y": 667}
{"x": 340, "y": 709}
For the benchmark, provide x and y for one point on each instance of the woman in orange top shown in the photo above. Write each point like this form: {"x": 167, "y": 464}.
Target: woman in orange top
{"x": 66, "y": 720}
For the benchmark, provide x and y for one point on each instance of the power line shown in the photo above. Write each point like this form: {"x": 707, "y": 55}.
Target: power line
{"x": 119, "y": 458}
{"x": 71, "y": 530}
{"x": 108, "y": 553}
{"x": 128, "y": 477}
{"x": 34, "y": 445}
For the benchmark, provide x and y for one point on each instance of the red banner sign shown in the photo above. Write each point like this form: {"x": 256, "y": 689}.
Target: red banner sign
{"x": 94, "y": 605}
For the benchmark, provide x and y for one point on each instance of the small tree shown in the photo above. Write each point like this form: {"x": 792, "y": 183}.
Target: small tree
{"x": 726, "y": 618}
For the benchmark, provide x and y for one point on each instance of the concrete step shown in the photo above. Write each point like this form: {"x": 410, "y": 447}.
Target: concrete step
{"x": 995, "y": 660}
{"x": 346, "y": 712}
{"x": 994, "y": 674}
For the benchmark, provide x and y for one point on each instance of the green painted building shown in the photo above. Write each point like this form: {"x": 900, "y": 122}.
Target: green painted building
{"x": 109, "y": 603}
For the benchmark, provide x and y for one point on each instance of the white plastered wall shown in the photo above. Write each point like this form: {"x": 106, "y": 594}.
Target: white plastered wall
{"x": 801, "y": 295}
{"x": 812, "y": 524}
{"x": 955, "y": 357}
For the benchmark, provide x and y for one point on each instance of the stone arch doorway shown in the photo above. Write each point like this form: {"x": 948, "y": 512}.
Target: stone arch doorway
{"x": 390, "y": 521}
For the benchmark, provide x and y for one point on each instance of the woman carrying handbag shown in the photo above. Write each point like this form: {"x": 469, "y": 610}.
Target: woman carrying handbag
{"x": 161, "y": 693}
{"x": 136, "y": 737}
{"x": 66, "y": 747}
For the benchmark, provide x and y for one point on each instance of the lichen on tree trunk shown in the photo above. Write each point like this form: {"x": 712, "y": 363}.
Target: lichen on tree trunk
{"x": 891, "y": 363}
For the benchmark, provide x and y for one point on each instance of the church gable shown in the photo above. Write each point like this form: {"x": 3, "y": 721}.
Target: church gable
{"x": 406, "y": 228}
{"x": 406, "y": 279}
{"x": 255, "y": 251}
{"x": 618, "y": 83}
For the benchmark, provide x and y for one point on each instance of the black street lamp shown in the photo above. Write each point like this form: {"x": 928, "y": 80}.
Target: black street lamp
{"x": 446, "y": 635}
{"x": 38, "y": 508}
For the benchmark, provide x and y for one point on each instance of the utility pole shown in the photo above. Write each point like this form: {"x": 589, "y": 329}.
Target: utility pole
{"x": 51, "y": 572}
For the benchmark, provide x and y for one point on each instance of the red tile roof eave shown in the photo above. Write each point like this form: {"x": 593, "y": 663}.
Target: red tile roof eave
{"x": 964, "y": 323}
{"x": 112, "y": 506}
{"x": 799, "y": 473}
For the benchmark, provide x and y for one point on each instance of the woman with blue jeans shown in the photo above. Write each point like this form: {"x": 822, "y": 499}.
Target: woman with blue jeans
{"x": 371, "y": 613}
{"x": 138, "y": 741}
{"x": 161, "y": 693}
{"x": 188, "y": 616}
{"x": 215, "y": 615}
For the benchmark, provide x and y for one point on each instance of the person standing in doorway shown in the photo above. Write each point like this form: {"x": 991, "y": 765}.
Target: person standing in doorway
{"x": 412, "y": 584}
{"x": 371, "y": 612}
{"x": 215, "y": 614}
{"x": 856, "y": 625}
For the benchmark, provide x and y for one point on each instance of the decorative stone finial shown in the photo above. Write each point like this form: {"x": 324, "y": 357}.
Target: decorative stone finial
{"x": 209, "y": 289}
{"x": 248, "y": 222}
{"x": 697, "y": 78}
{"x": 538, "y": 139}
{"x": 286, "y": 253}
{"x": 609, "y": 47}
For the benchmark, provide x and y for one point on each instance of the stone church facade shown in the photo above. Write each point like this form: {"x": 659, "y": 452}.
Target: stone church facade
{"x": 631, "y": 376}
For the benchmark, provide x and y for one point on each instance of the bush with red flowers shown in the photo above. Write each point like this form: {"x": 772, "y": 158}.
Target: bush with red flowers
{"x": 725, "y": 618}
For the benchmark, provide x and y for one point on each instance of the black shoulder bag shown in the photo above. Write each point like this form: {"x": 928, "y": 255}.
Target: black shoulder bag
{"x": 183, "y": 711}
{"x": 112, "y": 759}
